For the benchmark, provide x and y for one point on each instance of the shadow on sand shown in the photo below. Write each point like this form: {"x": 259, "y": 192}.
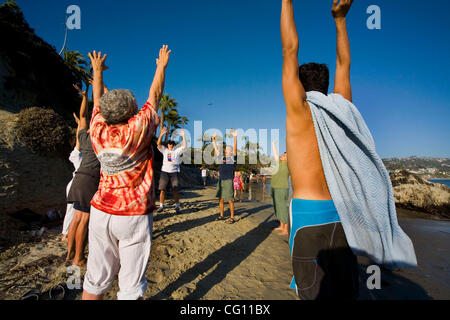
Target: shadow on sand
{"x": 190, "y": 224}
{"x": 223, "y": 261}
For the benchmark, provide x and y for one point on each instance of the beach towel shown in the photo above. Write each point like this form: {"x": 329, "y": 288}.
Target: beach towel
{"x": 359, "y": 183}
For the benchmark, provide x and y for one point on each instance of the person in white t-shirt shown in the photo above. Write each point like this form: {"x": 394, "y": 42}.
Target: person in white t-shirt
{"x": 170, "y": 168}
{"x": 204, "y": 175}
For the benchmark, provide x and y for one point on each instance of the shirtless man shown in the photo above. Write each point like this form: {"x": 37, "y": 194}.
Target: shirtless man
{"x": 311, "y": 197}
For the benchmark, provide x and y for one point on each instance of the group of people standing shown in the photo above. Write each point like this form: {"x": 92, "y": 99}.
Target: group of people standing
{"x": 342, "y": 203}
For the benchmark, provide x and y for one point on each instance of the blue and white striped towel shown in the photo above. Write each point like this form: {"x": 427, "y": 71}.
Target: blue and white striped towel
{"x": 359, "y": 182}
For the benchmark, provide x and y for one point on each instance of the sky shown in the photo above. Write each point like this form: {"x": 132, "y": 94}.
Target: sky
{"x": 225, "y": 67}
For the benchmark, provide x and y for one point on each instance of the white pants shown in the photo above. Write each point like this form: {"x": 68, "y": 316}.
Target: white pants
{"x": 70, "y": 212}
{"x": 118, "y": 245}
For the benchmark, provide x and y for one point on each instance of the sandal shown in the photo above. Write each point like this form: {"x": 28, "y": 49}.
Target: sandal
{"x": 231, "y": 221}
{"x": 33, "y": 294}
{"x": 219, "y": 218}
{"x": 57, "y": 292}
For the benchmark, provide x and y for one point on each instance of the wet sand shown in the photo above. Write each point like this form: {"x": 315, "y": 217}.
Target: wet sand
{"x": 195, "y": 257}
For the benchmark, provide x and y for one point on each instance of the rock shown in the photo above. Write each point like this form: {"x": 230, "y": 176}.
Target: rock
{"x": 414, "y": 193}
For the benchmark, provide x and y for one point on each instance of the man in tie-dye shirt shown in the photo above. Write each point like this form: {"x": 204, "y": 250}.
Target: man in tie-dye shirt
{"x": 121, "y": 221}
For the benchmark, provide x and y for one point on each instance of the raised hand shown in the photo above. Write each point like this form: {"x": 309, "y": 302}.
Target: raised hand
{"x": 83, "y": 93}
{"x": 97, "y": 61}
{"x": 340, "y": 10}
{"x": 77, "y": 120}
{"x": 214, "y": 136}
{"x": 164, "y": 55}
{"x": 163, "y": 131}
{"x": 182, "y": 132}
{"x": 235, "y": 133}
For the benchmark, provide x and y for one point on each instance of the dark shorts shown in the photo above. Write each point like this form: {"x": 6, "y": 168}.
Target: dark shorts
{"x": 164, "y": 179}
{"x": 83, "y": 189}
{"x": 204, "y": 179}
{"x": 324, "y": 265}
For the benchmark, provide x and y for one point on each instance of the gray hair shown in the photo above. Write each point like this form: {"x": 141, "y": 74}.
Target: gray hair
{"x": 118, "y": 106}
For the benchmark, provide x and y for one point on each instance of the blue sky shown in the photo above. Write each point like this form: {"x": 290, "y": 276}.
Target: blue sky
{"x": 228, "y": 53}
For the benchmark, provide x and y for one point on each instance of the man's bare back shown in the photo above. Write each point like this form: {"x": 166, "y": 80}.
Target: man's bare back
{"x": 304, "y": 161}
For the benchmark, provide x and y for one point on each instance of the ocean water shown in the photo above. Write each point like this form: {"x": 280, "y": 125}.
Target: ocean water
{"x": 257, "y": 191}
{"x": 443, "y": 181}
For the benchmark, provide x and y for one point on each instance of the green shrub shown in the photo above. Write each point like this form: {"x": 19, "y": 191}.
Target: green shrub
{"x": 44, "y": 132}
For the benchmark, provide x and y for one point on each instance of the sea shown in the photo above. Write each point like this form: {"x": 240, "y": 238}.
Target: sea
{"x": 442, "y": 181}
{"x": 259, "y": 192}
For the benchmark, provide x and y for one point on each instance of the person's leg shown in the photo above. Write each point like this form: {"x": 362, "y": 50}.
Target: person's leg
{"x": 175, "y": 185}
{"x": 134, "y": 234}
{"x": 103, "y": 263}
{"x": 162, "y": 195}
{"x": 275, "y": 205}
{"x": 71, "y": 235}
{"x": 163, "y": 181}
{"x": 221, "y": 207}
{"x": 88, "y": 296}
{"x": 283, "y": 210}
{"x": 176, "y": 196}
{"x": 80, "y": 240}
{"x": 70, "y": 213}
{"x": 231, "y": 203}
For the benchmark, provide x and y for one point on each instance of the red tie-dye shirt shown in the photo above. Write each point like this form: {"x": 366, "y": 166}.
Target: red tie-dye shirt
{"x": 125, "y": 152}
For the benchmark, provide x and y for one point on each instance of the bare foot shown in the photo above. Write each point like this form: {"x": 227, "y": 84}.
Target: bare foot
{"x": 283, "y": 233}
{"x": 80, "y": 263}
{"x": 280, "y": 228}
{"x": 64, "y": 238}
{"x": 70, "y": 256}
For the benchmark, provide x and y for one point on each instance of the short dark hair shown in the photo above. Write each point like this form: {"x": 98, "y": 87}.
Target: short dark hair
{"x": 315, "y": 77}
{"x": 171, "y": 142}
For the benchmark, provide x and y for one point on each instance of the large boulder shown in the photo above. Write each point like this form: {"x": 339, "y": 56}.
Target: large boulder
{"x": 413, "y": 192}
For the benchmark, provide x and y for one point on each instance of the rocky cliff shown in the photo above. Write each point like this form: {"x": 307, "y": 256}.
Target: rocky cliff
{"x": 413, "y": 192}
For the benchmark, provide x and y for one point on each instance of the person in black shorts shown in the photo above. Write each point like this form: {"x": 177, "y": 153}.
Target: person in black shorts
{"x": 170, "y": 169}
{"x": 83, "y": 189}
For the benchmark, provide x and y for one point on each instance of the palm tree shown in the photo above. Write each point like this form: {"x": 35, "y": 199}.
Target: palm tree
{"x": 184, "y": 120}
{"x": 166, "y": 105}
{"x": 173, "y": 122}
{"x": 77, "y": 64}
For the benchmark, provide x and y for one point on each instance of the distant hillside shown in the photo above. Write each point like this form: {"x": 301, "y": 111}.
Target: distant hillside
{"x": 32, "y": 74}
{"x": 425, "y": 167}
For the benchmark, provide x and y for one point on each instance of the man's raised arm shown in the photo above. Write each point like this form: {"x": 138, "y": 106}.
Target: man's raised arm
{"x": 294, "y": 93}
{"x": 98, "y": 66}
{"x": 162, "y": 132}
{"x": 343, "y": 60}
{"x": 157, "y": 87}
{"x": 235, "y": 134}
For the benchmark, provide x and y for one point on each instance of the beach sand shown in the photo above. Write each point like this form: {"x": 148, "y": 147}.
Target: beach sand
{"x": 194, "y": 257}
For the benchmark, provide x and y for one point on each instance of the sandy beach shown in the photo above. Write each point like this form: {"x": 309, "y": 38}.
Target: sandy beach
{"x": 194, "y": 257}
